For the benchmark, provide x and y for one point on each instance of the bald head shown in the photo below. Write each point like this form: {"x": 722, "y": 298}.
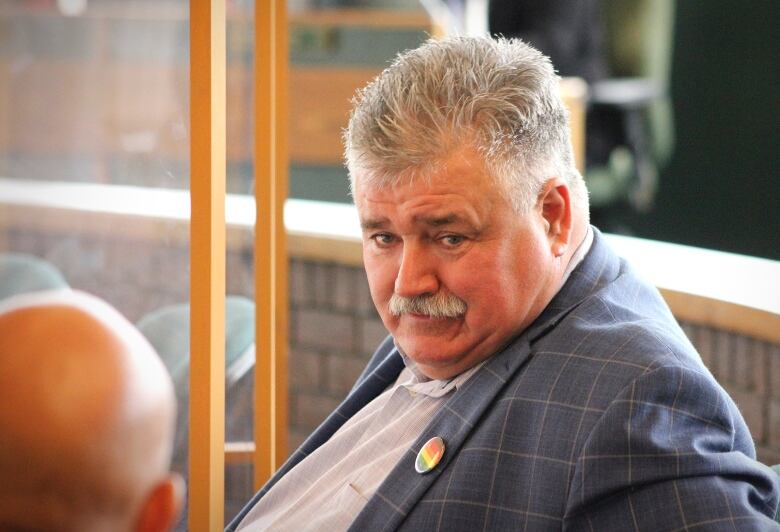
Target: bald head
{"x": 86, "y": 416}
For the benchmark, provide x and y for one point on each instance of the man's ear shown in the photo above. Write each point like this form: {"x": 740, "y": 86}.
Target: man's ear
{"x": 555, "y": 203}
{"x": 161, "y": 508}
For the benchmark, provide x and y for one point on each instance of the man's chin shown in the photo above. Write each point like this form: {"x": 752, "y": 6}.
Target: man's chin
{"x": 436, "y": 355}
{"x": 442, "y": 368}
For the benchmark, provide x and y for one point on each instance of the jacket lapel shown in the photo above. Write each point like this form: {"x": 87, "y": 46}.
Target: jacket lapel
{"x": 403, "y": 487}
{"x": 600, "y": 267}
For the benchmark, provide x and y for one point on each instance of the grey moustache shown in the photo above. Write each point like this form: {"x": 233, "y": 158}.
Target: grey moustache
{"x": 439, "y": 305}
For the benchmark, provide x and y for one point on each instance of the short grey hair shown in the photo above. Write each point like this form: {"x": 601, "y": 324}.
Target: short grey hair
{"x": 500, "y": 96}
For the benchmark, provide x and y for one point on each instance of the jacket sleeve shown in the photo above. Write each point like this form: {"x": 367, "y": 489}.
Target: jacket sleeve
{"x": 671, "y": 452}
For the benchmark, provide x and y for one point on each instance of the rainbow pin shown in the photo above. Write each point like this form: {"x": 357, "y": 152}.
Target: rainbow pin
{"x": 430, "y": 455}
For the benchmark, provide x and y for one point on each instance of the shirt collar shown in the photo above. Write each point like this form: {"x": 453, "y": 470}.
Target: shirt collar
{"x": 416, "y": 381}
{"x": 579, "y": 255}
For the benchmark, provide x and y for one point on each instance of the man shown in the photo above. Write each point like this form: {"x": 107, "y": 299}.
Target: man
{"x": 86, "y": 419}
{"x": 532, "y": 381}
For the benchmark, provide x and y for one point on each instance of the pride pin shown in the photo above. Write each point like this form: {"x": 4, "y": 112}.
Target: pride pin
{"x": 430, "y": 455}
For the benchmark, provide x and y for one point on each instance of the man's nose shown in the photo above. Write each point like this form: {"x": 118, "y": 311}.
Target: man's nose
{"x": 417, "y": 274}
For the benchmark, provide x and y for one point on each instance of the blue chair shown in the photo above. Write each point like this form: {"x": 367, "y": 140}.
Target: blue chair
{"x": 21, "y": 273}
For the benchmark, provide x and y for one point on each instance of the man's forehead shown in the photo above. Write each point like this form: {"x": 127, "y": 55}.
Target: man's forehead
{"x": 460, "y": 160}
{"x": 435, "y": 219}
{"x": 371, "y": 194}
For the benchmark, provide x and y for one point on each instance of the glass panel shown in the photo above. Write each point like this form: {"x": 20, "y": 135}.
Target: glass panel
{"x": 239, "y": 304}
{"x": 94, "y": 158}
{"x": 336, "y": 47}
{"x": 98, "y": 96}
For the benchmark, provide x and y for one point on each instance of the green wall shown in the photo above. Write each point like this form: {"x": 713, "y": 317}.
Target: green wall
{"x": 722, "y": 187}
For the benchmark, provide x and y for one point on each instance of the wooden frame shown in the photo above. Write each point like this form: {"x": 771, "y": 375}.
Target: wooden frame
{"x": 271, "y": 162}
{"x": 207, "y": 265}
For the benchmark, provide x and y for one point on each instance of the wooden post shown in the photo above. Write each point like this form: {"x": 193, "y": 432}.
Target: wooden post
{"x": 271, "y": 162}
{"x": 207, "y": 266}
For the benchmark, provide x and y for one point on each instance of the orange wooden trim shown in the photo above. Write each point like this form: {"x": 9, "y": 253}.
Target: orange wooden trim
{"x": 271, "y": 160}
{"x": 207, "y": 265}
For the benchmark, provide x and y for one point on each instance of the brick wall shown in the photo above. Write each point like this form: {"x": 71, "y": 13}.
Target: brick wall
{"x": 334, "y": 328}
{"x": 749, "y": 370}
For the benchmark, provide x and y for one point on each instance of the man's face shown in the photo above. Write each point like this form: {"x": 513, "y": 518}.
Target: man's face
{"x": 453, "y": 233}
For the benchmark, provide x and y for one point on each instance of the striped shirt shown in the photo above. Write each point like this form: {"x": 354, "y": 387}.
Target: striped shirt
{"x": 328, "y": 488}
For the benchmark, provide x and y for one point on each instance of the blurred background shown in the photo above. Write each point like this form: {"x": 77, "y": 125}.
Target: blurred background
{"x": 683, "y": 114}
{"x": 721, "y": 189}
{"x": 96, "y": 91}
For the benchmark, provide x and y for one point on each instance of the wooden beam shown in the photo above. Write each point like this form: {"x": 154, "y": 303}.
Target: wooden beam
{"x": 207, "y": 266}
{"x": 723, "y": 315}
{"x": 271, "y": 161}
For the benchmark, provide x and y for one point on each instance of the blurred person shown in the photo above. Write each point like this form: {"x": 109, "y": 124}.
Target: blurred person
{"x": 86, "y": 419}
{"x": 532, "y": 379}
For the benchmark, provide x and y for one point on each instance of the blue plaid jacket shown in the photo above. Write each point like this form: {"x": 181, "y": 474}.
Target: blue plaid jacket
{"x": 600, "y": 416}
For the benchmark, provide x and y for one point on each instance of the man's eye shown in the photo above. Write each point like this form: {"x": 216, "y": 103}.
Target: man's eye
{"x": 452, "y": 240}
{"x": 383, "y": 239}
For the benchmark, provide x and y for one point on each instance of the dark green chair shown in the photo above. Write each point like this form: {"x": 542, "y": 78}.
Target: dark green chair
{"x": 21, "y": 273}
{"x": 168, "y": 330}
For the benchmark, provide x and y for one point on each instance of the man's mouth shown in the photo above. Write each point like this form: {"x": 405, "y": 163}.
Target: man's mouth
{"x": 418, "y": 316}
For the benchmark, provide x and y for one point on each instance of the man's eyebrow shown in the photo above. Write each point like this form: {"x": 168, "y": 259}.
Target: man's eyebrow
{"x": 373, "y": 223}
{"x": 438, "y": 221}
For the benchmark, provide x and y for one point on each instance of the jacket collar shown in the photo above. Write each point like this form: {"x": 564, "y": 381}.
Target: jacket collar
{"x": 600, "y": 267}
